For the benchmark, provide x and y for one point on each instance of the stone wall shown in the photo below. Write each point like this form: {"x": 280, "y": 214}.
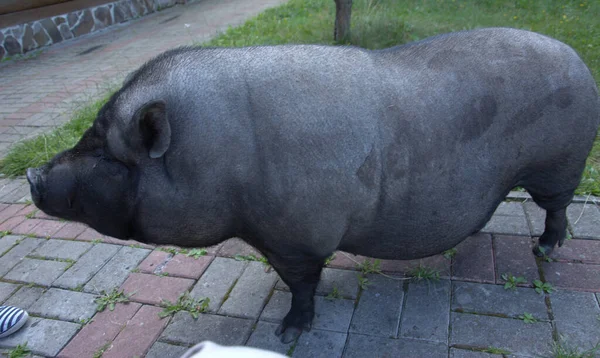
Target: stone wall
{"x": 20, "y": 39}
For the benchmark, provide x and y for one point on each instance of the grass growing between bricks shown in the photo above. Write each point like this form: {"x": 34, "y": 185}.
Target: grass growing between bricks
{"x": 563, "y": 349}
{"x": 424, "y": 273}
{"x": 110, "y": 299}
{"x": 20, "y": 351}
{"x": 512, "y": 281}
{"x": 375, "y": 24}
{"x": 185, "y": 303}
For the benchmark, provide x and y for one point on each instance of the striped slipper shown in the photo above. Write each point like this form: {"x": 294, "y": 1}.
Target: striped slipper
{"x": 11, "y": 320}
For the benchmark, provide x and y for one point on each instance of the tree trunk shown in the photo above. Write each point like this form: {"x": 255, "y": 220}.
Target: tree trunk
{"x": 343, "y": 10}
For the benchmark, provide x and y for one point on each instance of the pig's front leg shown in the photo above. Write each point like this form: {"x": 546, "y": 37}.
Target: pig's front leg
{"x": 301, "y": 273}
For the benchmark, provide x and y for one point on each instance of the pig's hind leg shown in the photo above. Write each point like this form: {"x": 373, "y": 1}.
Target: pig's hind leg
{"x": 553, "y": 191}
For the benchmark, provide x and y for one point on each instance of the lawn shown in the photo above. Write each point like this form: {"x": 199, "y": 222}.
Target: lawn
{"x": 376, "y": 24}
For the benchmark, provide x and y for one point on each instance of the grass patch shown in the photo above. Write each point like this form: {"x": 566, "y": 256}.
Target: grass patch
{"x": 185, "y": 303}
{"x": 562, "y": 349}
{"x": 527, "y": 318}
{"x": 375, "y": 24}
{"x": 494, "y": 350}
{"x": 101, "y": 350}
{"x": 368, "y": 266}
{"x": 449, "y": 254}
{"x": 111, "y": 299}
{"x": 196, "y": 253}
{"x": 19, "y": 351}
{"x": 334, "y": 294}
{"x": 542, "y": 287}
{"x": 512, "y": 281}
{"x": 252, "y": 257}
{"x": 423, "y": 273}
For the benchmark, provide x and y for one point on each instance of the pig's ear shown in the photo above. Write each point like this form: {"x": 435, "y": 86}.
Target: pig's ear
{"x": 152, "y": 126}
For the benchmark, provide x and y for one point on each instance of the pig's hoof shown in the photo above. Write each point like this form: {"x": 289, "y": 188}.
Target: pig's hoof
{"x": 541, "y": 251}
{"x": 288, "y": 334}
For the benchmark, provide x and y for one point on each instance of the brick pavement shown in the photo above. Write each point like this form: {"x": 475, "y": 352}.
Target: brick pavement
{"x": 56, "y": 269}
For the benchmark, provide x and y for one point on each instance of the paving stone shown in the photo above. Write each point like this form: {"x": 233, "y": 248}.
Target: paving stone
{"x": 508, "y": 225}
{"x": 41, "y": 272}
{"x": 586, "y": 199}
{"x": 379, "y": 307}
{"x": 101, "y": 330}
{"x": 42, "y": 215}
{"x": 89, "y": 234}
{"x": 474, "y": 260}
{"x": 65, "y": 305}
{"x": 218, "y": 279}
{"x": 222, "y": 330}
{"x": 345, "y": 281}
{"x": 494, "y": 299}
{"x": 360, "y": 346}
{"x": 114, "y": 273}
{"x": 19, "y": 189}
{"x": 536, "y": 217}
{"x": 156, "y": 259}
{"x": 250, "y": 293}
{"x": 61, "y": 249}
{"x": 577, "y": 317}
{"x": 11, "y": 223}
{"x": 26, "y": 226}
{"x": 236, "y": 246}
{"x": 8, "y": 187}
{"x": 138, "y": 335}
{"x": 165, "y": 350}
{"x": 512, "y": 335}
{"x": 427, "y": 311}
{"x": 153, "y": 289}
{"x": 7, "y": 242}
{"x": 278, "y": 306}
{"x": 461, "y": 353}
{"x": 585, "y": 251}
{"x": 47, "y": 228}
{"x": 264, "y": 337}
{"x": 25, "y": 297}
{"x": 514, "y": 256}
{"x": 6, "y": 290}
{"x": 213, "y": 250}
{"x": 332, "y": 314}
{"x": 584, "y": 220}
{"x": 43, "y": 336}
{"x": 70, "y": 231}
{"x": 346, "y": 261}
{"x": 187, "y": 266}
{"x": 17, "y": 253}
{"x": 510, "y": 208}
{"x": 87, "y": 266}
{"x": 572, "y": 276}
{"x": 317, "y": 343}
{"x": 437, "y": 262}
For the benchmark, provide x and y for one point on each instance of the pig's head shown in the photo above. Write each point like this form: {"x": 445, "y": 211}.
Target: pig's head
{"x": 96, "y": 181}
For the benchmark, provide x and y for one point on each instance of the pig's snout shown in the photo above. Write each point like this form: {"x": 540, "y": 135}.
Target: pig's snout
{"x": 34, "y": 178}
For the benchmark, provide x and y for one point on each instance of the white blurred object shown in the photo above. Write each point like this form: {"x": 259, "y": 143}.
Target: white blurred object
{"x": 208, "y": 349}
